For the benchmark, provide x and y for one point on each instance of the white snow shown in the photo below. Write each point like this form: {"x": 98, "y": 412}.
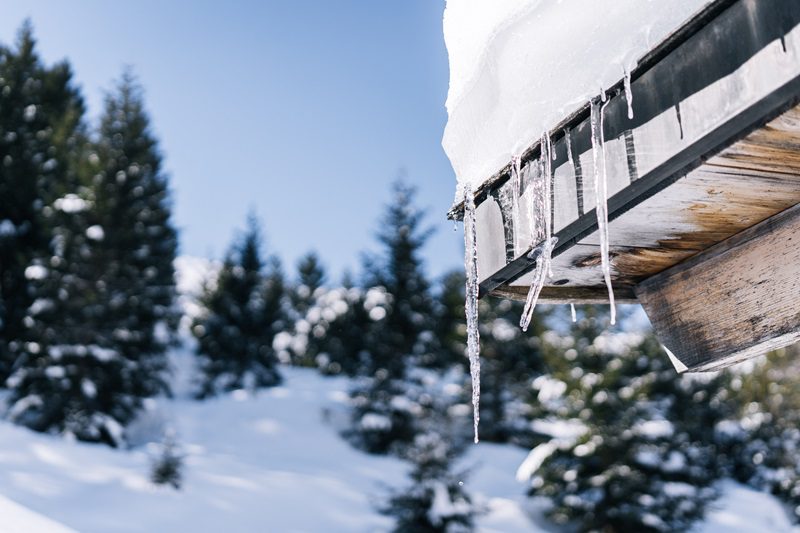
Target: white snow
{"x": 15, "y": 518}
{"x": 272, "y": 461}
{"x": 71, "y": 203}
{"x": 537, "y": 456}
{"x": 95, "y": 232}
{"x": 517, "y": 67}
{"x": 7, "y": 228}
{"x": 35, "y": 272}
{"x": 743, "y": 510}
{"x": 654, "y": 429}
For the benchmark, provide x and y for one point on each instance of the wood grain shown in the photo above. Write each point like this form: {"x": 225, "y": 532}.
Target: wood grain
{"x": 736, "y": 300}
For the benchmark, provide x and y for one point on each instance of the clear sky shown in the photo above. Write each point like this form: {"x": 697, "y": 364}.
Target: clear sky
{"x": 303, "y": 110}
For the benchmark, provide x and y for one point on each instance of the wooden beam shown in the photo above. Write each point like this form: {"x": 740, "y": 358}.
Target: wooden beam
{"x": 736, "y": 300}
{"x": 570, "y": 295}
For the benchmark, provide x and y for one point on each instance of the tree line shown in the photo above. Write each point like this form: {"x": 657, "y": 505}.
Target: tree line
{"x": 88, "y": 312}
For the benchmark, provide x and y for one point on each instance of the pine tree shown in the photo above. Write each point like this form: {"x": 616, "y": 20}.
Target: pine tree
{"x": 435, "y": 500}
{"x": 167, "y": 467}
{"x": 244, "y": 310}
{"x": 139, "y": 244}
{"x": 308, "y": 293}
{"x": 104, "y": 305}
{"x": 399, "y": 334}
{"x": 40, "y": 127}
{"x": 761, "y": 439}
{"x": 633, "y": 444}
{"x": 405, "y": 332}
{"x": 311, "y": 277}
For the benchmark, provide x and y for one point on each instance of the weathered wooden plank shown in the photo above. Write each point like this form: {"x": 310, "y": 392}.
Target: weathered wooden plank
{"x": 724, "y": 196}
{"x": 575, "y": 295}
{"x": 580, "y": 266}
{"x": 736, "y": 300}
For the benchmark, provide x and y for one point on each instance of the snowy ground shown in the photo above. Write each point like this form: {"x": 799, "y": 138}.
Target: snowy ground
{"x": 264, "y": 463}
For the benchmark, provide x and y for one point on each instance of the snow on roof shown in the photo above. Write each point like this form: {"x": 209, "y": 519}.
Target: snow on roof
{"x": 519, "y": 66}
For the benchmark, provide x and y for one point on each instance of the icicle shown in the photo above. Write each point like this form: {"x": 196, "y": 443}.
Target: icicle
{"x": 602, "y": 94}
{"x": 547, "y": 171}
{"x": 628, "y": 93}
{"x": 568, "y": 139}
{"x": 601, "y": 196}
{"x": 516, "y": 190}
{"x": 541, "y": 230}
{"x": 541, "y": 255}
{"x": 574, "y": 314}
{"x": 471, "y": 304}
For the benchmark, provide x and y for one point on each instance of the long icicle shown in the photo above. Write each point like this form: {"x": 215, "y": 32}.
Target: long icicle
{"x": 541, "y": 231}
{"x": 547, "y": 171}
{"x": 601, "y": 197}
{"x": 471, "y": 304}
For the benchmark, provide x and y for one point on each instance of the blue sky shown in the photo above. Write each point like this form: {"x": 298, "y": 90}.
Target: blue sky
{"x": 304, "y": 110}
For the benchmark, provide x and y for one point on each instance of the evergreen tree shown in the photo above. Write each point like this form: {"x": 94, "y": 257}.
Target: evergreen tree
{"x": 244, "y": 310}
{"x": 405, "y": 331}
{"x": 167, "y": 467}
{"x": 311, "y": 277}
{"x": 331, "y": 335}
{"x": 436, "y": 499}
{"x": 104, "y": 306}
{"x": 761, "y": 439}
{"x": 137, "y": 252}
{"x": 632, "y": 446}
{"x": 399, "y": 333}
{"x": 40, "y": 127}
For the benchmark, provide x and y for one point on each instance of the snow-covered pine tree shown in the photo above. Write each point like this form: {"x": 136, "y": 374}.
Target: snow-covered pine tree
{"x": 71, "y": 378}
{"x": 310, "y": 277}
{"x": 405, "y": 332}
{"x": 761, "y": 440}
{"x": 305, "y": 295}
{"x": 243, "y": 311}
{"x": 399, "y": 335}
{"x": 40, "y": 126}
{"x": 105, "y": 296}
{"x": 435, "y": 500}
{"x": 133, "y": 211}
{"x": 632, "y": 446}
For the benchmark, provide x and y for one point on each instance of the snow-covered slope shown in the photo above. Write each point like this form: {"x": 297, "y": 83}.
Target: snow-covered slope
{"x": 15, "y": 518}
{"x": 252, "y": 463}
{"x": 271, "y": 462}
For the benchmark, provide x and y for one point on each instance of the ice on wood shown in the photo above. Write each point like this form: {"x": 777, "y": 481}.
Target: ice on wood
{"x": 471, "y": 306}
{"x": 517, "y": 67}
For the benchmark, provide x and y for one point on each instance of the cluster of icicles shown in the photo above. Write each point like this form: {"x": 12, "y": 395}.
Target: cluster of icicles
{"x": 541, "y": 231}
